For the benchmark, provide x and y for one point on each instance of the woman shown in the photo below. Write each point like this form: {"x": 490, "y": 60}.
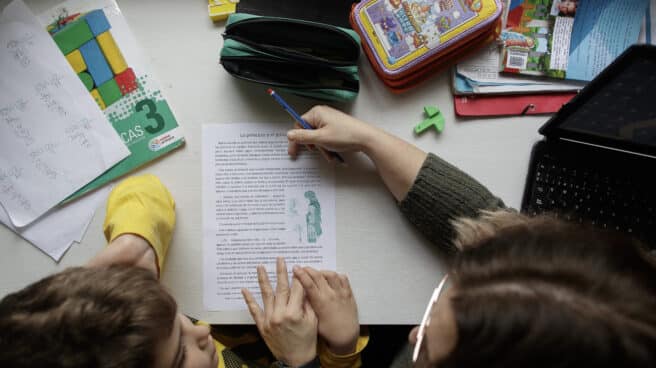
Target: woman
{"x": 521, "y": 292}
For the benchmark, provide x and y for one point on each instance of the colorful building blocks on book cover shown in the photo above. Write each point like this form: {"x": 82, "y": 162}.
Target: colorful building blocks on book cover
{"x": 127, "y": 81}
{"x": 97, "y": 22}
{"x": 111, "y": 52}
{"x": 74, "y": 35}
{"x": 96, "y": 62}
{"x": 110, "y": 92}
{"x": 86, "y": 41}
{"x": 87, "y": 80}
{"x": 99, "y": 100}
{"x": 77, "y": 61}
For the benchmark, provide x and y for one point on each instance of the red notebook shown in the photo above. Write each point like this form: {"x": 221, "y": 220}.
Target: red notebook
{"x": 510, "y": 104}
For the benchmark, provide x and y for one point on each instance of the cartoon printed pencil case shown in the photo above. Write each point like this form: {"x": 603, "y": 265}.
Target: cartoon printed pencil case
{"x": 305, "y": 58}
{"x": 407, "y": 40}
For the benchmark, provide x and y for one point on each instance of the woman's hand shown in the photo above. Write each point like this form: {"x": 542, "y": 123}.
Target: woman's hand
{"x": 396, "y": 160}
{"x": 334, "y": 131}
{"x": 332, "y": 299}
{"x": 288, "y": 324}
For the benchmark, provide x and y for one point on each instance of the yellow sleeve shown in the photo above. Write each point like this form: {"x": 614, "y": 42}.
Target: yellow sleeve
{"x": 142, "y": 205}
{"x": 330, "y": 360}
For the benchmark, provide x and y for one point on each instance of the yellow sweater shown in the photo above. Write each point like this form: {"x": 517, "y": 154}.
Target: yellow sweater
{"x": 143, "y": 206}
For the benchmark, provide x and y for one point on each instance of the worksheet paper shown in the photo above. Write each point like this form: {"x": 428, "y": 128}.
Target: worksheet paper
{"x": 53, "y": 137}
{"x": 55, "y": 232}
{"x": 259, "y": 204}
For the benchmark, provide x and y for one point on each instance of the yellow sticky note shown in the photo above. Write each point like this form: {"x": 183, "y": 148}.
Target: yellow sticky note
{"x": 96, "y": 96}
{"x": 112, "y": 52}
{"x": 77, "y": 61}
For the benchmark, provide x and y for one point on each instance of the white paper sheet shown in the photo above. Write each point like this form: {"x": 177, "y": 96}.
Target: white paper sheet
{"x": 58, "y": 229}
{"x": 53, "y": 137}
{"x": 510, "y": 88}
{"x": 259, "y": 204}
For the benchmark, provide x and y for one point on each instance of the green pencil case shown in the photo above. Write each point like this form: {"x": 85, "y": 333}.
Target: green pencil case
{"x": 304, "y": 58}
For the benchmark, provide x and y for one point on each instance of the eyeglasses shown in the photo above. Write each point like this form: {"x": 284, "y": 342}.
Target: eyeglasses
{"x": 425, "y": 321}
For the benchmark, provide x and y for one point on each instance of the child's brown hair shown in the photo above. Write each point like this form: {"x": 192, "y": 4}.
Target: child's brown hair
{"x": 86, "y": 317}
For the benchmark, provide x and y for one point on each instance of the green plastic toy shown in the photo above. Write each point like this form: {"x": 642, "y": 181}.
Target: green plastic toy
{"x": 433, "y": 118}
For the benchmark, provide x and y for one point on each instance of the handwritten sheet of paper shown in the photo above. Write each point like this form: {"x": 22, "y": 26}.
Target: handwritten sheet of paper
{"x": 55, "y": 232}
{"x": 53, "y": 137}
{"x": 259, "y": 204}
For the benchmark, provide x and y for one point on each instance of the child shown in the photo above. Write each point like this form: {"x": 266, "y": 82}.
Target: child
{"x": 114, "y": 312}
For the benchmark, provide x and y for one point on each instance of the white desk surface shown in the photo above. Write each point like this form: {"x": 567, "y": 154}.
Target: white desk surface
{"x": 392, "y": 268}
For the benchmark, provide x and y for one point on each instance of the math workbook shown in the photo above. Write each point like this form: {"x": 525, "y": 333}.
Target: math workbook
{"x": 98, "y": 44}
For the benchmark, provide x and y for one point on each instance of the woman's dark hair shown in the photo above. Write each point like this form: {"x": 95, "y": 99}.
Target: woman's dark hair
{"x": 539, "y": 292}
{"x": 86, "y": 317}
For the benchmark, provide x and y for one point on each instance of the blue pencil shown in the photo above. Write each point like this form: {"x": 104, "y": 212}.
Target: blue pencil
{"x": 298, "y": 118}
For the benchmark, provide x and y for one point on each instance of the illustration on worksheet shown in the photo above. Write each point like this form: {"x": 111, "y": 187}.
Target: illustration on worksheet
{"x": 292, "y": 207}
{"x": 294, "y": 224}
{"x": 303, "y": 223}
{"x": 403, "y": 26}
{"x": 313, "y": 217}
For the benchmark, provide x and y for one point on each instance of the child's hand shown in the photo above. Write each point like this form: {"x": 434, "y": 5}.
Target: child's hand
{"x": 332, "y": 299}
{"x": 334, "y": 131}
{"x": 288, "y": 324}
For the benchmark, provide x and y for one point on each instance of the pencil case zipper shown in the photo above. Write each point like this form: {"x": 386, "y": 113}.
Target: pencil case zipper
{"x": 348, "y": 78}
{"x": 286, "y": 54}
{"x": 231, "y": 28}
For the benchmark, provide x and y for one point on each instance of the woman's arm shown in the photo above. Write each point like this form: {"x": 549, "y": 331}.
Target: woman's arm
{"x": 430, "y": 191}
{"x": 441, "y": 194}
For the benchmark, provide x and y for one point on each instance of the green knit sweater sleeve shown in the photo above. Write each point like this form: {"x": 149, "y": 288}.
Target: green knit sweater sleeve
{"x": 441, "y": 193}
